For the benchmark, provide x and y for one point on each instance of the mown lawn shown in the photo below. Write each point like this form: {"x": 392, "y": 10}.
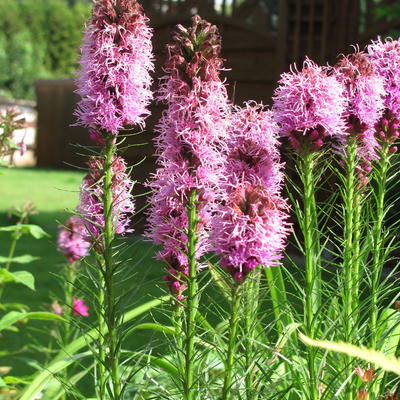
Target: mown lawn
{"x": 54, "y": 192}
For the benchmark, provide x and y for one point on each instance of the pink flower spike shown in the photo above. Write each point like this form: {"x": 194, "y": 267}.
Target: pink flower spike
{"x": 79, "y": 308}
{"x": 90, "y": 207}
{"x": 114, "y": 81}
{"x": 72, "y": 239}
{"x": 307, "y": 101}
{"x": 191, "y": 134}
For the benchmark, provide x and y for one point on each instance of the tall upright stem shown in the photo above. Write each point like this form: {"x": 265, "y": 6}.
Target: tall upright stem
{"x": 251, "y": 309}
{"x": 349, "y": 244}
{"x": 311, "y": 249}
{"x": 101, "y": 370}
{"x": 192, "y": 298}
{"x": 110, "y": 296}
{"x": 377, "y": 246}
{"x": 230, "y": 357}
{"x": 351, "y": 250}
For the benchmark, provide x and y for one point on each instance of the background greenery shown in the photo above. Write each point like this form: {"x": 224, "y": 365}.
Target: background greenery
{"x": 39, "y": 39}
{"x": 53, "y": 192}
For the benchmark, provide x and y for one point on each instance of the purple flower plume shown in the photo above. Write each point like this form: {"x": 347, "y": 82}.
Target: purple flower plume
{"x": 250, "y": 229}
{"x": 308, "y": 105}
{"x": 91, "y": 207}
{"x": 364, "y": 89}
{"x": 71, "y": 239}
{"x": 190, "y": 133}
{"x": 252, "y": 149}
{"x": 114, "y": 81}
{"x": 250, "y": 225}
{"x": 386, "y": 58}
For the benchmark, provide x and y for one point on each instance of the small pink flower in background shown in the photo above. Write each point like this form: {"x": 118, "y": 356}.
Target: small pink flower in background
{"x": 308, "y": 106}
{"x": 79, "y": 308}
{"x": 71, "y": 239}
{"x": 56, "y": 308}
{"x": 114, "y": 81}
{"x": 365, "y": 375}
{"x": 22, "y": 147}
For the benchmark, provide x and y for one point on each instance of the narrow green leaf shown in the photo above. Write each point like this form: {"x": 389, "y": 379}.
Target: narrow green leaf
{"x": 14, "y": 380}
{"x": 387, "y": 363}
{"x": 220, "y": 280}
{"x": 24, "y": 259}
{"x": 2, "y": 383}
{"x": 34, "y": 230}
{"x": 14, "y": 316}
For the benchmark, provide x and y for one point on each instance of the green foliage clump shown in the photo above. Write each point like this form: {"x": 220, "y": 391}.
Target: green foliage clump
{"x": 38, "y": 40}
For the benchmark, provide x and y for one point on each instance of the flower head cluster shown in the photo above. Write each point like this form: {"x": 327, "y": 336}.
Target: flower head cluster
{"x": 91, "y": 207}
{"x": 250, "y": 230}
{"x": 188, "y": 146}
{"x": 364, "y": 89}
{"x": 79, "y": 308}
{"x": 252, "y": 148}
{"x": 116, "y": 61}
{"x": 386, "y": 58}
{"x": 250, "y": 225}
{"x": 72, "y": 239}
{"x": 308, "y": 105}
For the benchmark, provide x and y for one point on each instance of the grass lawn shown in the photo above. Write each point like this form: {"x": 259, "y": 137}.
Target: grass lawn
{"x": 53, "y": 192}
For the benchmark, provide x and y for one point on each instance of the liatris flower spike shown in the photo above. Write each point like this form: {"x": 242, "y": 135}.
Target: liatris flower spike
{"x": 386, "y": 57}
{"x": 188, "y": 148}
{"x": 79, "y": 308}
{"x": 72, "y": 239}
{"x": 364, "y": 89}
{"x": 90, "y": 208}
{"x": 308, "y": 105}
{"x": 250, "y": 226}
{"x": 116, "y": 62}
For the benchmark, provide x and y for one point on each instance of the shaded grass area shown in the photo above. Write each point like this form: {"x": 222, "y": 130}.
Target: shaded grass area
{"x": 54, "y": 192}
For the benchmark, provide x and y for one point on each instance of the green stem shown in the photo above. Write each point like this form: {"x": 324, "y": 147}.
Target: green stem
{"x": 10, "y": 256}
{"x": 177, "y": 322}
{"x": 349, "y": 245}
{"x": 377, "y": 246}
{"x": 356, "y": 257}
{"x": 110, "y": 295}
{"x": 101, "y": 370}
{"x": 251, "y": 309}
{"x": 277, "y": 291}
{"x": 311, "y": 249}
{"x": 230, "y": 356}
{"x": 68, "y": 290}
{"x": 351, "y": 266}
{"x": 192, "y": 298}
